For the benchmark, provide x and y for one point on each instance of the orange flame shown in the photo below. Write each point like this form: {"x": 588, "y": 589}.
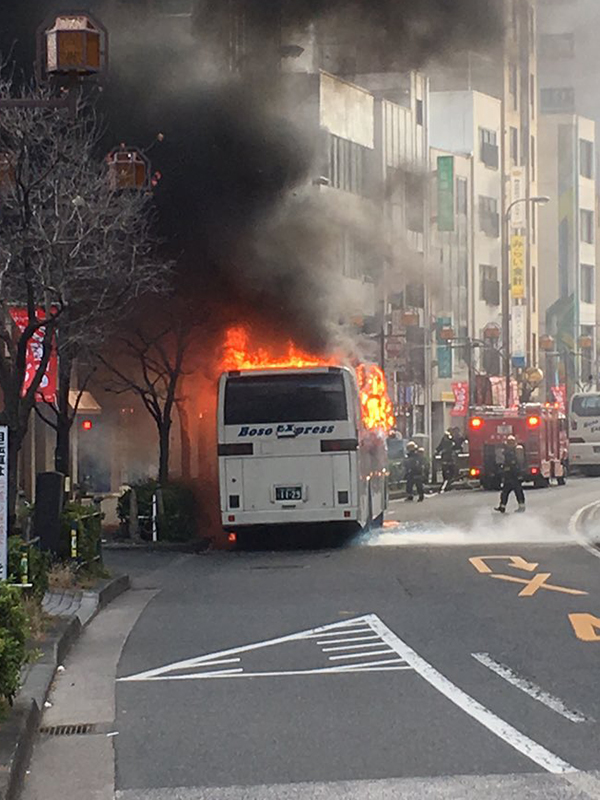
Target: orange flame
{"x": 238, "y": 354}
{"x": 376, "y": 407}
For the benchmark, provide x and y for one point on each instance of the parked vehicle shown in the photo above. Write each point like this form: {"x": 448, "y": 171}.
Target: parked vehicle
{"x": 541, "y": 429}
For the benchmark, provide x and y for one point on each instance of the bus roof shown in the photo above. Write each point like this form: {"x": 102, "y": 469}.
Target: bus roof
{"x": 246, "y": 373}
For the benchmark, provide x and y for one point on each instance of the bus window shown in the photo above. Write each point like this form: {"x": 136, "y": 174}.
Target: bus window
{"x": 312, "y": 397}
{"x": 586, "y": 405}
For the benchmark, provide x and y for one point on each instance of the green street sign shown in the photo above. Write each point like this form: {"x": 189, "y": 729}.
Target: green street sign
{"x": 445, "y": 181}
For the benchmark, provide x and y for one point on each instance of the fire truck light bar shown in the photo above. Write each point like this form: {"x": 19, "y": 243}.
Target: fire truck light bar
{"x": 476, "y": 423}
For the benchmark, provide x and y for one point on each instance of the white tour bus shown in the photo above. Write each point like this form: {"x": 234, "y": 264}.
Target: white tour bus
{"x": 293, "y": 450}
{"x": 584, "y": 432}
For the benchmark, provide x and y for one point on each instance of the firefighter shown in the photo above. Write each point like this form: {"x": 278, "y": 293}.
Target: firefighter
{"x": 448, "y": 450}
{"x": 513, "y": 458}
{"x": 414, "y": 468}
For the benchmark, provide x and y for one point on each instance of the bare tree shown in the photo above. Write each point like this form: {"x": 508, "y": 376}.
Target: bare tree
{"x": 75, "y": 252}
{"x": 152, "y": 363}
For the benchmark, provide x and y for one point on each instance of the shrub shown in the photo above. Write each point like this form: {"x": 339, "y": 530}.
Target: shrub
{"x": 179, "y": 521}
{"x": 39, "y": 565}
{"x": 89, "y": 526}
{"x": 14, "y": 629}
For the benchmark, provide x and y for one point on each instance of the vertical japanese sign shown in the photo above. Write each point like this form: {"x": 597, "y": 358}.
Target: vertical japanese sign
{"x": 3, "y": 502}
{"x": 518, "y": 319}
{"x": 35, "y": 351}
{"x": 517, "y": 266}
{"x": 445, "y": 186}
{"x": 461, "y": 399}
{"x": 517, "y": 191}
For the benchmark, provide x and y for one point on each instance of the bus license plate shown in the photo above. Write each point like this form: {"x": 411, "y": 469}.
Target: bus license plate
{"x": 288, "y": 493}
{"x": 505, "y": 429}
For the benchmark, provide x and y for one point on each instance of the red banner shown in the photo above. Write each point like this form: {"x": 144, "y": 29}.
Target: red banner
{"x": 35, "y": 352}
{"x": 560, "y": 396}
{"x": 461, "y": 399}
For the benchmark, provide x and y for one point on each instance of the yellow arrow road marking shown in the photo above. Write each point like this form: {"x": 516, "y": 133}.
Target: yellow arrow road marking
{"x": 586, "y": 627}
{"x": 537, "y": 582}
{"x": 515, "y": 561}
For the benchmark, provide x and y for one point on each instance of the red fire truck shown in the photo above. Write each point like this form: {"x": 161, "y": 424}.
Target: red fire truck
{"x": 541, "y": 429}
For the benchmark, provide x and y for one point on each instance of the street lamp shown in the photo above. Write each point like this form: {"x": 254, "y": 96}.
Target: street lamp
{"x": 535, "y": 200}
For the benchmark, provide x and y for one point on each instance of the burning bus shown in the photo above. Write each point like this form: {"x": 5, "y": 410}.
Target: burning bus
{"x": 301, "y": 443}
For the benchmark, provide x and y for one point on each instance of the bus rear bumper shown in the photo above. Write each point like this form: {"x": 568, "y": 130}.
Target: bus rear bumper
{"x": 236, "y": 520}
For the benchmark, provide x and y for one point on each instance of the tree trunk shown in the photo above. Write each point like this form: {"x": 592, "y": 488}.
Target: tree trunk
{"x": 186, "y": 444}
{"x": 64, "y": 421}
{"x": 164, "y": 435}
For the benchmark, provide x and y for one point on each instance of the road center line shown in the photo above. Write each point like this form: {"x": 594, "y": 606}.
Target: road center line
{"x": 530, "y": 688}
{"x": 503, "y": 730}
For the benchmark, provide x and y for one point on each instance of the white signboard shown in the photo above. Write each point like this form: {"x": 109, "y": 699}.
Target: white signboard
{"x": 518, "y": 320}
{"x": 517, "y": 214}
{"x": 3, "y": 502}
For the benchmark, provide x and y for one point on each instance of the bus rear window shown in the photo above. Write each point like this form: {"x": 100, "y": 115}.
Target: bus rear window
{"x": 313, "y": 397}
{"x": 586, "y": 405}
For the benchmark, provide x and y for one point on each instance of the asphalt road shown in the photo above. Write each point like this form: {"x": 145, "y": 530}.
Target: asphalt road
{"x": 438, "y": 657}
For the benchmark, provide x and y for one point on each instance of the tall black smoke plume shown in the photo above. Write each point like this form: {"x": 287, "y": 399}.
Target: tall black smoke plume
{"x": 235, "y": 204}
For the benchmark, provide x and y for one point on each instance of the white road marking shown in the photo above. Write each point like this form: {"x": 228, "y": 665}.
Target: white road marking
{"x": 503, "y": 730}
{"x": 370, "y": 653}
{"x": 530, "y": 688}
{"x": 354, "y": 639}
{"x": 377, "y": 666}
{"x": 347, "y": 647}
{"x": 333, "y": 629}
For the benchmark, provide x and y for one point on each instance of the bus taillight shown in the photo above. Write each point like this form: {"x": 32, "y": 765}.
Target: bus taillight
{"x": 533, "y": 422}
{"x": 476, "y": 423}
{"x": 337, "y": 445}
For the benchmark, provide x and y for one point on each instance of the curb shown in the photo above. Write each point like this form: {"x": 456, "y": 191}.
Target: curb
{"x": 584, "y": 525}
{"x": 19, "y": 731}
{"x": 199, "y": 546}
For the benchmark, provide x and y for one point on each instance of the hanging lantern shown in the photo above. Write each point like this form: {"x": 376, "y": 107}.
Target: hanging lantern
{"x": 7, "y": 174}
{"x": 491, "y": 331}
{"x": 586, "y": 342}
{"x": 73, "y": 44}
{"x": 546, "y": 343}
{"x": 447, "y": 333}
{"x": 128, "y": 168}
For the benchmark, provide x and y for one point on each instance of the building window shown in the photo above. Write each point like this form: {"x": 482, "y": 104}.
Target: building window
{"x": 588, "y": 284}
{"x": 586, "y": 219}
{"x": 532, "y": 95}
{"x": 489, "y": 219}
{"x": 513, "y": 85}
{"x": 532, "y": 158}
{"x": 514, "y": 146}
{"x": 488, "y": 147}
{"x": 347, "y": 165}
{"x": 462, "y": 200}
{"x": 489, "y": 285}
{"x": 558, "y": 100}
{"x": 533, "y": 290}
{"x": 557, "y": 45}
{"x": 586, "y": 158}
{"x": 419, "y": 109}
